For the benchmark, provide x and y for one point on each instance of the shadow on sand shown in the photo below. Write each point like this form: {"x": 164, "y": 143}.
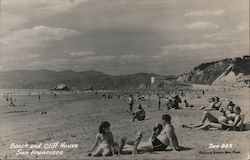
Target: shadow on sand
{"x": 140, "y": 151}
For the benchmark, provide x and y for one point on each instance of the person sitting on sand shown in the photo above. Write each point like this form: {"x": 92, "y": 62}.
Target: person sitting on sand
{"x": 230, "y": 105}
{"x": 175, "y": 102}
{"x": 217, "y": 103}
{"x": 162, "y": 135}
{"x": 139, "y": 113}
{"x": 211, "y": 106}
{"x": 225, "y": 125}
{"x": 187, "y": 105}
{"x": 104, "y": 144}
{"x": 227, "y": 117}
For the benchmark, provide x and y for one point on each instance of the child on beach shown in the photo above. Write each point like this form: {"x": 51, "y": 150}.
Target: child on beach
{"x": 104, "y": 144}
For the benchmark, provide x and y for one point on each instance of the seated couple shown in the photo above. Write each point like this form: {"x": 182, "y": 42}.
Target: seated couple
{"x": 162, "y": 136}
{"x": 228, "y": 121}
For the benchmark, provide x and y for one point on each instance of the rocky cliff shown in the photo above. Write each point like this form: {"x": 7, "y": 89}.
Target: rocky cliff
{"x": 218, "y": 72}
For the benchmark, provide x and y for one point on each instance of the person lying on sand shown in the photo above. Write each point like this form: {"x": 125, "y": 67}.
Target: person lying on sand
{"x": 223, "y": 125}
{"x": 104, "y": 144}
{"x": 212, "y": 105}
{"x": 162, "y": 135}
{"x": 229, "y": 120}
{"x": 139, "y": 114}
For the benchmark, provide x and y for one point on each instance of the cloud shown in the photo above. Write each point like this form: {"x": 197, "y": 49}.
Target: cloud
{"x": 201, "y": 25}
{"x": 93, "y": 59}
{"x": 205, "y": 13}
{"x": 19, "y": 12}
{"x": 193, "y": 46}
{"x": 11, "y": 21}
{"x": 129, "y": 56}
{"x": 43, "y": 7}
{"x": 82, "y": 53}
{"x": 215, "y": 36}
{"x": 32, "y": 37}
{"x": 242, "y": 28}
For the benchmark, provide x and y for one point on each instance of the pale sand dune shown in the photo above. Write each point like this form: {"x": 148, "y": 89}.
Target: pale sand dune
{"x": 74, "y": 119}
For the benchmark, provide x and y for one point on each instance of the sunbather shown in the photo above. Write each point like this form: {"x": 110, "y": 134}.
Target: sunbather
{"x": 214, "y": 104}
{"x": 225, "y": 125}
{"x": 103, "y": 145}
{"x": 229, "y": 119}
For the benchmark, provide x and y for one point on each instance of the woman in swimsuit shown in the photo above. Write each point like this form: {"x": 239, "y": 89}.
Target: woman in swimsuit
{"x": 104, "y": 144}
{"x": 224, "y": 125}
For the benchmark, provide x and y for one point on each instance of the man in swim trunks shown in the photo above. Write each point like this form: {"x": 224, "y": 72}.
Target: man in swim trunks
{"x": 164, "y": 134}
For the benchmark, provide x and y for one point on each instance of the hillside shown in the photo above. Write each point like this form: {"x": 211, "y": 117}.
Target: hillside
{"x": 207, "y": 73}
{"x": 33, "y": 79}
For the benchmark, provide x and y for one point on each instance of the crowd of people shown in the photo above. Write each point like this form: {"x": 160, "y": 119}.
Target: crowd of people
{"x": 163, "y": 134}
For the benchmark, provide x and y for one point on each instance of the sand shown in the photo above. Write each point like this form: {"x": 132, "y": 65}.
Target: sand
{"x": 74, "y": 119}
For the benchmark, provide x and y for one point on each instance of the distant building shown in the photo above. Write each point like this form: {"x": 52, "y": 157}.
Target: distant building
{"x": 246, "y": 57}
{"x": 159, "y": 83}
{"x": 244, "y": 81}
{"x": 157, "y": 80}
{"x": 61, "y": 87}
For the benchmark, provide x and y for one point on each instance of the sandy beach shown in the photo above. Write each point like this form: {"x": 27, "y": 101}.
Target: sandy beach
{"x": 73, "y": 119}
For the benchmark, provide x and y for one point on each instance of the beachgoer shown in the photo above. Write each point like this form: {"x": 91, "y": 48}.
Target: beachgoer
{"x": 39, "y": 97}
{"x": 161, "y": 139}
{"x": 159, "y": 100}
{"x": 230, "y": 105}
{"x": 139, "y": 113}
{"x": 217, "y": 103}
{"x": 211, "y": 106}
{"x": 228, "y": 115}
{"x": 187, "y": 105}
{"x": 175, "y": 102}
{"x": 162, "y": 135}
{"x": 104, "y": 144}
{"x": 103, "y": 96}
{"x": 131, "y": 103}
{"x": 182, "y": 93}
{"x": 225, "y": 125}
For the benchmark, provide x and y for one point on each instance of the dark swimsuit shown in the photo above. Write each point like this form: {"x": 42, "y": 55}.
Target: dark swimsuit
{"x": 158, "y": 145}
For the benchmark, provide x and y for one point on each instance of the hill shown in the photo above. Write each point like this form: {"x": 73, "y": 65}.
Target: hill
{"x": 34, "y": 79}
{"x": 218, "y": 72}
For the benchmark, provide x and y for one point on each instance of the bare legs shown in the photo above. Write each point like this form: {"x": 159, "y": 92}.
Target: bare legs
{"x": 209, "y": 125}
{"x": 206, "y": 116}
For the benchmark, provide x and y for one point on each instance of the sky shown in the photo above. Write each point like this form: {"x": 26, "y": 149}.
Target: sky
{"x": 167, "y": 37}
